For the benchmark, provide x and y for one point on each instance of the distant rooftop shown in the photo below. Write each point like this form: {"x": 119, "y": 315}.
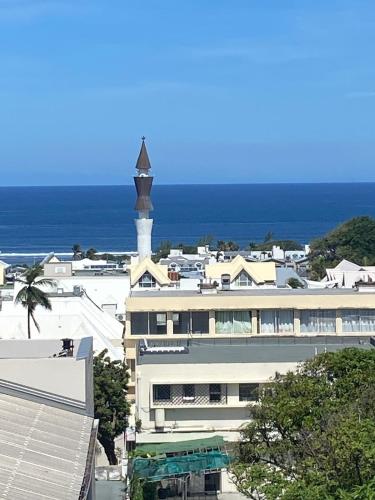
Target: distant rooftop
{"x": 42, "y": 348}
{"x": 248, "y": 292}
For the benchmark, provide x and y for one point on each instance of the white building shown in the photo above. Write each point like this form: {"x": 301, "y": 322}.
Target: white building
{"x": 47, "y": 428}
{"x": 73, "y": 315}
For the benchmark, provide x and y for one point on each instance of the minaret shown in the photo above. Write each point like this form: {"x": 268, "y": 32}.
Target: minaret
{"x": 143, "y": 184}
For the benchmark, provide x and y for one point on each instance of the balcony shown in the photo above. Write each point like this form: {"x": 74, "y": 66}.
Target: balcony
{"x": 189, "y": 395}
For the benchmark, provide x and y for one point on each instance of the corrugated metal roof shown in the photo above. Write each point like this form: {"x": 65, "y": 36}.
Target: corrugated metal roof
{"x": 43, "y": 450}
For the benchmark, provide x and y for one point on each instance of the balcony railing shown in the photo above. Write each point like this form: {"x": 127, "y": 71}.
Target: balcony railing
{"x": 201, "y": 395}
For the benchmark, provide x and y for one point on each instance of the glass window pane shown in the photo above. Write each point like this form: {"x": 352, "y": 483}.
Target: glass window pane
{"x": 268, "y": 321}
{"x": 318, "y": 320}
{"x": 350, "y": 320}
{"x": 188, "y": 391}
{"x": 215, "y": 392}
{"x": 243, "y": 279}
{"x": 147, "y": 281}
{"x": 367, "y": 322}
{"x": 157, "y": 323}
{"x": 286, "y": 318}
{"x": 248, "y": 392}
{"x": 224, "y": 322}
{"x": 139, "y": 323}
{"x": 162, "y": 392}
{"x": 241, "y": 322}
{"x": 181, "y": 322}
{"x": 199, "y": 322}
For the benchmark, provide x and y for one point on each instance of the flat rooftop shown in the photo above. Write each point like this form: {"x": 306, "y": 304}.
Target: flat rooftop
{"x": 256, "y": 292}
{"x": 42, "y": 348}
{"x": 252, "y": 349}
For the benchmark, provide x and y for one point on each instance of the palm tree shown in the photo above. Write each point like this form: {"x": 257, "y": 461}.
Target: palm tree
{"x": 31, "y": 295}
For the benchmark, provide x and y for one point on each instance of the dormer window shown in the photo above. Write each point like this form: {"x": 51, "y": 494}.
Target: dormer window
{"x": 243, "y": 279}
{"x": 147, "y": 281}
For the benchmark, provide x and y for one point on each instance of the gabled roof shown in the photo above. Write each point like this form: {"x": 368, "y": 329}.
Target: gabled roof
{"x": 160, "y": 273}
{"x": 260, "y": 272}
{"x": 143, "y": 162}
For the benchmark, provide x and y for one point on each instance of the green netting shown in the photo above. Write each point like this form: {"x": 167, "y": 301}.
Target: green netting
{"x": 181, "y": 446}
{"x": 162, "y": 468}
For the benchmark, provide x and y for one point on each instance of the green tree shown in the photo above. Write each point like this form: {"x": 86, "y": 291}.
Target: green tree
{"x": 353, "y": 240}
{"x": 91, "y": 253}
{"x": 225, "y": 246}
{"x": 31, "y": 296}
{"x": 207, "y": 239}
{"x": 163, "y": 251}
{"x": 111, "y": 406}
{"x": 313, "y": 433}
{"x": 268, "y": 237}
{"x": 284, "y": 244}
{"x": 77, "y": 252}
{"x": 295, "y": 283}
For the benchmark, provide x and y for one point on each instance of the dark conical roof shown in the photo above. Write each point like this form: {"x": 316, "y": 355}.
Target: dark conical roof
{"x": 143, "y": 162}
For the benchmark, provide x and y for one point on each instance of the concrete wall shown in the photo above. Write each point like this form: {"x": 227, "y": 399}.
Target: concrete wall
{"x": 236, "y": 301}
{"x": 210, "y": 417}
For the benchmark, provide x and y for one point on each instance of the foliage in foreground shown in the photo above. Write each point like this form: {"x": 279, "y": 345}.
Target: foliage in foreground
{"x": 353, "y": 240}
{"x": 111, "y": 407}
{"x": 313, "y": 434}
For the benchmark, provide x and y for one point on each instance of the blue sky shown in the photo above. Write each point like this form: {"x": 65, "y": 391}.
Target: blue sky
{"x": 224, "y": 91}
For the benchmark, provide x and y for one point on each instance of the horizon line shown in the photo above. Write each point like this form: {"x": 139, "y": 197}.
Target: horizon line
{"x": 187, "y": 184}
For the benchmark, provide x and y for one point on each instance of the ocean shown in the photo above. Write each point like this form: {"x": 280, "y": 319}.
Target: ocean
{"x": 39, "y": 219}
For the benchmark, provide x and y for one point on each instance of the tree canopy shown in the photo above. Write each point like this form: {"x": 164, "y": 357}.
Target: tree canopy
{"x": 283, "y": 244}
{"x": 111, "y": 406}
{"x": 353, "y": 240}
{"x": 31, "y": 296}
{"x": 313, "y": 433}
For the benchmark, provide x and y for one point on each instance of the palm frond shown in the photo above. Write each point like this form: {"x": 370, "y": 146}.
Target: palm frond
{"x": 44, "y": 282}
{"x": 21, "y": 296}
{"x": 39, "y": 297}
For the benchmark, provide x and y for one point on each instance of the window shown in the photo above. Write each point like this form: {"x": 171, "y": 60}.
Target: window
{"x": 162, "y": 392}
{"x": 139, "y": 323}
{"x": 188, "y": 392}
{"x": 319, "y": 320}
{"x": 248, "y": 392}
{"x": 147, "y": 281}
{"x": 60, "y": 269}
{"x": 181, "y": 322}
{"x": 276, "y": 321}
{"x": 199, "y": 322}
{"x": 144, "y": 323}
{"x": 233, "y": 321}
{"x": 243, "y": 279}
{"x": 215, "y": 392}
{"x": 358, "y": 320}
{"x": 190, "y": 322}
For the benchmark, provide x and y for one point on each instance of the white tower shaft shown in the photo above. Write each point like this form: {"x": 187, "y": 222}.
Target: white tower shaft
{"x": 144, "y": 231}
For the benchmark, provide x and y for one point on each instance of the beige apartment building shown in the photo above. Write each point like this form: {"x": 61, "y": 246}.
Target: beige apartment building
{"x": 175, "y": 316}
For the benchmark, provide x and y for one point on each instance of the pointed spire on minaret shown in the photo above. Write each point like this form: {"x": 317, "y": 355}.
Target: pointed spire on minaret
{"x": 143, "y": 184}
{"x": 143, "y": 163}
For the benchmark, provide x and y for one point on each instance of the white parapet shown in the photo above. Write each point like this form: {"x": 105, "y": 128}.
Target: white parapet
{"x": 144, "y": 230}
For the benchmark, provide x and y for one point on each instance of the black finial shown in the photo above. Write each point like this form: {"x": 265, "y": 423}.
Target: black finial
{"x": 143, "y": 138}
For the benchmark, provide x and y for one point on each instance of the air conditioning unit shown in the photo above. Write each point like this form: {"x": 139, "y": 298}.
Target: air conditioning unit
{"x": 225, "y": 281}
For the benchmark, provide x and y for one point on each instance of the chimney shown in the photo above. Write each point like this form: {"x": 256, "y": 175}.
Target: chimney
{"x": 225, "y": 281}
{"x": 67, "y": 347}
